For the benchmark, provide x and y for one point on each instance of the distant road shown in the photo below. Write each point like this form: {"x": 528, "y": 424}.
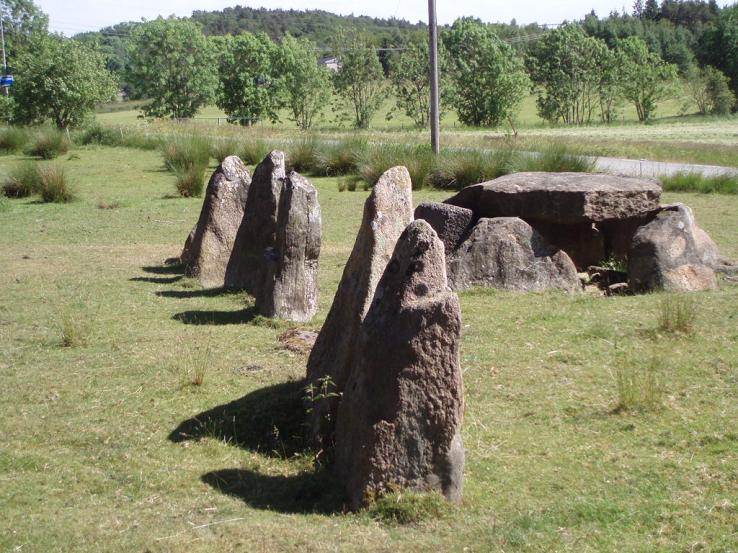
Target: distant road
{"x": 646, "y": 168}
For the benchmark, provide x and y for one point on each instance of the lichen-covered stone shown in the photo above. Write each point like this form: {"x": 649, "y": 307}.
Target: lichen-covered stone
{"x": 450, "y": 222}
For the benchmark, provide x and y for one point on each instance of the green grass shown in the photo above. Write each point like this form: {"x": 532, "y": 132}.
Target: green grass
{"x": 48, "y": 143}
{"x": 696, "y": 182}
{"x": 86, "y": 456}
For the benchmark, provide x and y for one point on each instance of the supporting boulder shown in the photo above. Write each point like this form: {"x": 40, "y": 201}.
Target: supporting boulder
{"x": 209, "y": 245}
{"x": 258, "y": 231}
{"x": 399, "y": 422}
{"x": 290, "y": 289}
{"x": 506, "y": 253}
{"x": 450, "y": 222}
{"x": 387, "y": 211}
{"x": 672, "y": 253}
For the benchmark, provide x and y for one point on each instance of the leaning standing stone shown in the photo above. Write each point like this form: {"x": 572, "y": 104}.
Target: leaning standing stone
{"x": 290, "y": 289}
{"x": 672, "y": 253}
{"x": 387, "y": 212}
{"x": 399, "y": 422}
{"x": 209, "y": 246}
{"x": 258, "y": 230}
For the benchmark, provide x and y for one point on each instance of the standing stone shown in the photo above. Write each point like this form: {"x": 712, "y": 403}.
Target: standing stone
{"x": 387, "y": 212}
{"x": 672, "y": 253}
{"x": 210, "y": 243}
{"x": 399, "y": 422}
{"x": 290, "y": 290}
{"x": 506, "y": 253}
{"x": 258, "y": 231}
{"x": 450, "y": 222}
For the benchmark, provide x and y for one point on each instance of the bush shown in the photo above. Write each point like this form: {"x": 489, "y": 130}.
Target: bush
{"x": 221, "y": 149}
{"x": 13, "y": 140}
{"x": 302, "y": 155}
{"x": 557, "y": 158}
{"x": 696, "y": 182}
{"x": 340, "y": 158}
{"x": 23, "y": 181}
{"x": 185, "y": 153}
{"x": 55, "y": 186}
{"x": 49, "y": 143}
{"x": 191, "y": 181}
{"x": 254, "y": 151}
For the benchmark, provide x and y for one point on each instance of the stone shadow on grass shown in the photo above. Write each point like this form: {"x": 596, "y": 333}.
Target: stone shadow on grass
{"x": 269, "y": 421}
{"x": 171, "y": 266}
{"x": 183, "y": 294}
{"x": 216, "y": 317}
{"x": 304, "y": 493}
{"x": 156, "y": 280}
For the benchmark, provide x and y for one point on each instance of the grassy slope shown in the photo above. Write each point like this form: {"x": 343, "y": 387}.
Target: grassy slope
{"x": 85, "y": 463}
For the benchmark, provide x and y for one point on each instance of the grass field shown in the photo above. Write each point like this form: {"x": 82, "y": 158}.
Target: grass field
{"x": 86, "y": 459}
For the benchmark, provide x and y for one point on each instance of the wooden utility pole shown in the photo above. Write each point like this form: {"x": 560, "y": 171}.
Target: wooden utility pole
{"x": 433, "y": 45}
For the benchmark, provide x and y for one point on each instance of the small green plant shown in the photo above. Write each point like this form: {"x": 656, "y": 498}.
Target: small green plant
{"x": 190, "y": 182}
{"x": 191, "y": 364}
{"x": 13, "y": 140}
{"x": 55, "y": 185}
{"x": 614, "y": 263}
{"x": 697, "y": 182}
{"x": 320, "y": 390}
{"x": 677, "y": 314}
{"x": 74, "y": 332}
{"x": 638, "y": 384}
{"x": 409, "y": 507}
{"x": 49, "y": 144}
{"x": 557, "y": 158}
{"x": 24, "y": 180}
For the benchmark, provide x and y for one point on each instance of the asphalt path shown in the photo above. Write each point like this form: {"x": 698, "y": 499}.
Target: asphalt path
{"x": 647, "y": 168}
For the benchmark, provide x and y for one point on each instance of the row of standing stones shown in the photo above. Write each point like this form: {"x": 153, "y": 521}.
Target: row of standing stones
{"x": 387, "y": 357}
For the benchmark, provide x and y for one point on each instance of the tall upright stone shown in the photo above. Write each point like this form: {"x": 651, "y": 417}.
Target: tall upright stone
{"x": 387, "y": 212}
{"x": 209, "y": 245}
{"x": 258, "y": 231}
{"x": 290, "y": 289}
{"x": 399, "y": 422}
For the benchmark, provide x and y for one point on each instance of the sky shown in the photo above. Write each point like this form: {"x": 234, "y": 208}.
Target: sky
{"x": 74, "y": 16}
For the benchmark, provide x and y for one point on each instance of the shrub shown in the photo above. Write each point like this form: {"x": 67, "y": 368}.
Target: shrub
{"x": 408, "y": 507}
{"x": 55, "y": 186}
{"x": 696, "y": 182}
{"x": 677, "y": 314}
{"x": 49, "y": 143}
{"x": 302, "y": 155}
{"x": 23, "y": 181}
{"x": 557, "y": 158}
{"x": 254, "y": 151}
{"x": 191, "y": 181}
{"x": 638, "y": 385}
{"x": 221, "y": 149}
{"x": 340, "y": 158}
{"x": 13, "y": 140}
{"x": 186, "y": 152}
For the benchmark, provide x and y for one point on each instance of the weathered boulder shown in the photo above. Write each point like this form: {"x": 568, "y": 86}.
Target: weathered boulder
{"x": 387, "y": 212}
{"x": 399, "y": 422}
{"x": 672, "y": 253}
{"x": 209, "y": 245}
{"x": 256, "y": 236}
{"x": 450, "y": 222}
{"x": 507, "y": 253}
{"x": 290, "y": 289}
{"x": 563, "y": 198}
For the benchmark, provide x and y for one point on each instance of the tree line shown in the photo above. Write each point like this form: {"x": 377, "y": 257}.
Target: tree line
{"x": 581, "y": 72}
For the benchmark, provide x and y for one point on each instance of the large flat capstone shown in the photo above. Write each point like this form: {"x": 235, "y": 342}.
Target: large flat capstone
{"x": 563, "y": 198}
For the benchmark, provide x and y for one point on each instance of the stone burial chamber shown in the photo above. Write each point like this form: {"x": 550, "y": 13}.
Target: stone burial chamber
{"x": 533, "y": 231}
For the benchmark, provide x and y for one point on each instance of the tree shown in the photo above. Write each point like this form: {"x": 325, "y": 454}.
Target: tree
{"x": 171, "y": 64}
{"x": 566, "y": 68}
{"x": 250, "y": 88}
{"x": 710, "y": 91}
{"x": 360, "y": 79}
{"x": 647, "y": 79}
{"x": 489, "y": 78}
{"x": 60, "y": 79}
{"x": 307, "y": 84}
{"x": 718, "y": 45}
{"x": 410, "y": 80}
{"x": 651, "y": 10}
{"x": 22, "y": 19}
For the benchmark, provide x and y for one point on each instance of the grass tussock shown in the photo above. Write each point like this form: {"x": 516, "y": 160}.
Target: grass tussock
{"x": 254, "y": 151}
{"x": 697, "y": 182}
{"x": 13, "y": 140}
{"x": 185, "y": 152}
{"x": 638, "y": 384}
{"x": 376, "y": 159}
{"x": 49, "y": 144}
{"x": 24, "y": 180}
{"x": 457, "y": 169}
{"x": 191, "y": 365}
{"x": 55, "y": 186}
{"x": 221, "y": 149}
{"x": 302, "y": 155}
{"x": 557, "y": 157}
{"x": 97, "y": 134}
{"x": 409, "y": 507}
{"x": 340, "y": 158}
{"x": 105, "y": 204}
{"x": 677, "y": 314}
{"x": 74, "y": 332}
{"x": 190, "y": 182}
